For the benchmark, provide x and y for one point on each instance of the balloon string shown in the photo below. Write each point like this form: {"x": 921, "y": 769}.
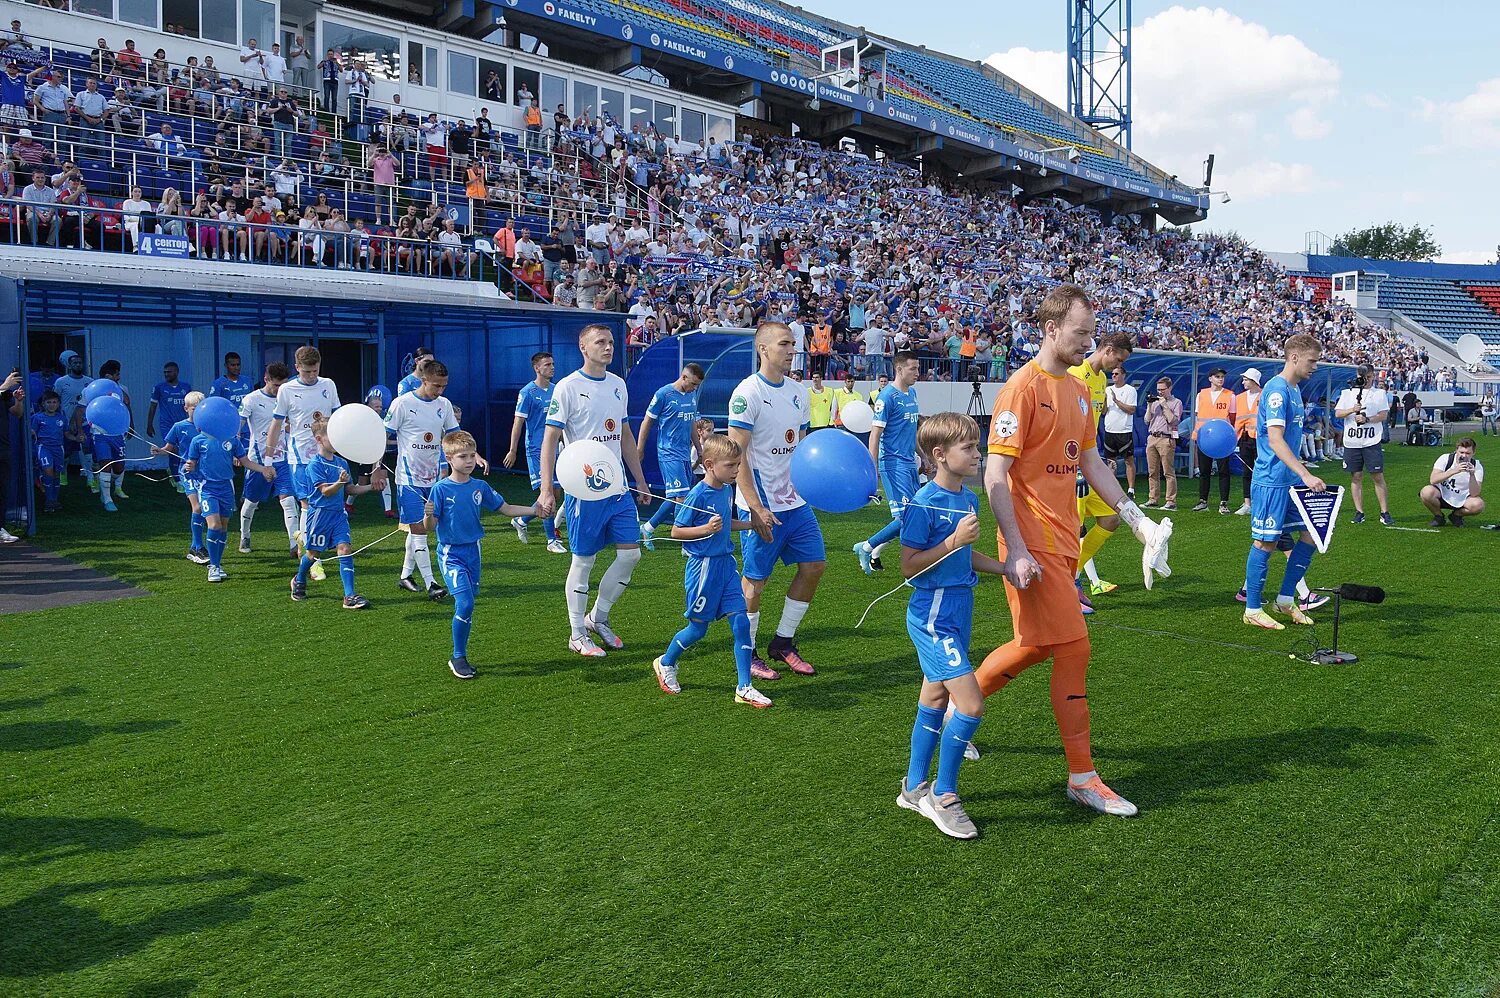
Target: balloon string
{"x": 351, "y": 554}
{"x": 906, "y": 582}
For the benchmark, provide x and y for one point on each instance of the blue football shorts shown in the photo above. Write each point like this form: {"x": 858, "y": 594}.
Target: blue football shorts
{"x": 939, "y": 622}
{"x": 712, "y": 588}
{"x": 596, "y": 524}
{"x": 795, "y": 540}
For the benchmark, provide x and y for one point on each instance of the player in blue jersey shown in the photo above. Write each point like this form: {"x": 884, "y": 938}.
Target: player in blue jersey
{"x": 893, "y": 448}
{"x": 938, "y": 530}
{"x": 413, "y": 380}
{"x": 108, "y": 450}
{"x": 452, "y": 509}
{"x": 327, "y": 479}
{"x": 1277, "y": 469}
{"x": 211, "y": 463}
{"x": 167, "y": 398}
{"x": 49, "y": 432}
{"x": 232, "y": 384}
{"x": 175, "y": 446}
{"x": 675, "y": 407}
{"x": 705, "y": 522}
{"x": 531, "y": 421}
{"x": 70, "y": 388}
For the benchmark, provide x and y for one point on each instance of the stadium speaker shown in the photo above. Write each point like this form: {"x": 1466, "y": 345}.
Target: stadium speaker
{"x": 1208, "y": 172}
{"x": 815, "y": 105}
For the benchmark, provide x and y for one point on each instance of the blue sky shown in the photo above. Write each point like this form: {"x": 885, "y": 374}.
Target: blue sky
{"x": 1323, "y": 116}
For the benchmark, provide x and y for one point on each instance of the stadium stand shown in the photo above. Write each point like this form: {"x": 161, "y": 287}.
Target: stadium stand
{"x": 1487, "y": 295}
{"x": 1444, "y": 307}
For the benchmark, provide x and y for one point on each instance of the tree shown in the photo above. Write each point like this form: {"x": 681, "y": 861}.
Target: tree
{"x": 1391, "y": 241}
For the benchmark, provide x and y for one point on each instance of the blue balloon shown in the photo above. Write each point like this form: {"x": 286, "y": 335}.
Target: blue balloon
{"x": 218, "y": 418}
{"x": 100, "y": 387}
{"x": 108, "y": 415}
{"x": 1216, "y": 438}
{"x": 833, "y": 471}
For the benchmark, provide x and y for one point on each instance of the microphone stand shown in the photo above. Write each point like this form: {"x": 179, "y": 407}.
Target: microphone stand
{"x": 1332, "y": 656}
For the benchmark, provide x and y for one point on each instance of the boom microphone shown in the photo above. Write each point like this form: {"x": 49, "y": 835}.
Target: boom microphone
{"x": 1361, "y": 594}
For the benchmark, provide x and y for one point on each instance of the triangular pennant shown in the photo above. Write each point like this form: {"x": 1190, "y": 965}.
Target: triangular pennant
{"x": 1319, "y": 511}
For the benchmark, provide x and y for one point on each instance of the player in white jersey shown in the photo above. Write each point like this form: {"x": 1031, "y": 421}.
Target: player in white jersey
{"x": 258, "y": 410}
{"x": 591, "y": 404}
{"x": 298, "y": 403}
{"x": 418, "y": 420}
{"x": 768, "y": 415}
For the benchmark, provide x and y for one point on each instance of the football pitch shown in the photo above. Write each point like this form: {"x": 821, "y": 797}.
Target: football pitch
{"x": 213, "y": 790}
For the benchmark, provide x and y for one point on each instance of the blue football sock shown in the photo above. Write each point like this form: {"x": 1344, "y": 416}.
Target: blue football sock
{"x": 303, "y": 567}
{"x": 49, "y": 489}
{"x": 1296, "y": 568}
{"x": 346, "y": 573}
{"x": 684, "y": 639}
{"x": 199, "y": 527}
{"x": 463, "y": 622}
{"x": 1256, "y": 565}
{"x": 216, "y": 541}
{"x": 956, "y": 737}
{"x": 744, "y": 648}
{"x": 924, "y": 742}
{"x": 885, "y": 534}
{"x": 549, "y": 528}
{"x": 663, "y": 512}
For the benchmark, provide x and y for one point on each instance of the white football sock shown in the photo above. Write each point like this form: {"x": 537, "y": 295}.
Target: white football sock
{"x": 385, "y": 495}
{"x": 754, "y": 627}
{"x": 612, "y": 586}
{"x": 407, "y": 565}
{"x": 289, "y": 516}
{"x": 1302, "y": 591}
{"x": 577, "y": 592}
{"x": 422, "y": 557}
{"x": 875, "y": 552}
{"x": 791, "y": 616}
{"x": 247, "y": 517}
{"x": 1091, "y": 571}
{"x": 104, "y": 478}
{"x": 558, "y": 519}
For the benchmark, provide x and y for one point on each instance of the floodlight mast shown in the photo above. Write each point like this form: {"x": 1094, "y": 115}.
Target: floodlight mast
{"x": 1099, "y": 65}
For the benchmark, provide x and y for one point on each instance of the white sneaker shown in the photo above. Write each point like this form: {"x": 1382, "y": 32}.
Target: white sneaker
{"x": 1244, "y": 509}
{"x": 521, "y": 533}
{"x": 609, "y": 638}
{"x": 556, "y": 547}
{"x": 216, "y": 574}
{"x": 970, "y": 752}
{"x": 6, "y": 537}
{"x": 244, "y": 545}
{"x": 752, "y": 696}
{"x": 585, "y": 646}
{"x": 666, "y": 676}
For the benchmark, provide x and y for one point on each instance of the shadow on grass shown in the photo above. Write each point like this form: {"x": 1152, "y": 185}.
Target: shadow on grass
{"x": 40, "y": 736}
{"x": 1193, "y": 772}
{"x": 26, "y": 703}
{"x": 27, "y": 840}
{"x": 177, "y": 988}
{"x": 45, "y": 933}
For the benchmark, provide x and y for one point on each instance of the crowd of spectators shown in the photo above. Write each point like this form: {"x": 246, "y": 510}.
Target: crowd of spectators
{"x": 863, "y": 258}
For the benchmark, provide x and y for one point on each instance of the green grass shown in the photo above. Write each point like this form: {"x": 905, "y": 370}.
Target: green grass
{"x": 215, "y": 791}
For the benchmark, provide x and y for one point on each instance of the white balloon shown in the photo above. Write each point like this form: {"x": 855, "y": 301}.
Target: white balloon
{"x": 588, "y": 470}
{"x": 357, "y": 434}
{"x": 1470, "y": 348}
{"x": 857, "y": 416}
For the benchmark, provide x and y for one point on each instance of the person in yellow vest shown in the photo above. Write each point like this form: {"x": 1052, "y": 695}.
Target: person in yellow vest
{"x": 820, "y": 405}
{"x": 842, "y": 397}
{"x": 1246, "y": 405}
{"x": 1214, "y": 402}
{"x": 1111, "y": 352}
{"x": 822, "y": 348}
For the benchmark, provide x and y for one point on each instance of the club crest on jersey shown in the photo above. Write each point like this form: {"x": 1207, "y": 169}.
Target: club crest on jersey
{"x": 226, "y": 445}
{"x": 1083, "y": 407}
{"x": 596, "y": 479}
{"x": 796, "y": 402}
{"x": 609, "y": 426}
{"x": 1006, "y": 424}
{"x": 618, "y": 396}
{"x": 477, "y": 498}
{"x": 738, "y": 405}
{"x": 791, "y": 436}
{"x": 1071, "y": 450}
{"x": 427, "y": 438}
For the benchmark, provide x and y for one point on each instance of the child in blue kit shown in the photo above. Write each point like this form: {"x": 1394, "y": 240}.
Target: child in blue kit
{"x": 452, "y": 509}
{"x": 175, "y": 446}
{"x": 326, "y": 476}
{"x": 938, "y": 528}
{"x": 48, "y": 432}
{"x": 210, "y": 468}
{"x": 711, "y": 579}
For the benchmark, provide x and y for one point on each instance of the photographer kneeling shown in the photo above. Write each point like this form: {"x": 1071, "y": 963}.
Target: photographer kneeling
{"x": 1454, "y": 486}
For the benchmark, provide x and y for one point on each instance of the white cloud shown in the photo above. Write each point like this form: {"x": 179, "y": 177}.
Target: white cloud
{"x": 1206, "y": 80}
{"x": 1472, "y": 122}
{"x": 1468, "y": 256}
